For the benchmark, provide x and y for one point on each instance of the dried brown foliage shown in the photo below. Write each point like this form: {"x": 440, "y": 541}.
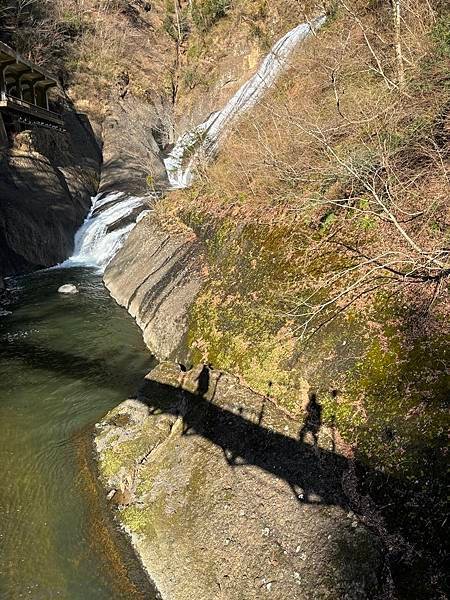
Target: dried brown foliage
{"x": 91, "y": 44}
{"x": 351, "y": 153}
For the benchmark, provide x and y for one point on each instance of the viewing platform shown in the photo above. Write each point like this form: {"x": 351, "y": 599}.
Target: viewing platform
{"x": 24, "y": 89}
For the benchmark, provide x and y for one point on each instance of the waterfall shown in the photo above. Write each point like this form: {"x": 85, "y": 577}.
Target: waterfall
{"x": 105, "y": 229}
{"x": 113, "y": 216}
{"x": 204, "y": 139}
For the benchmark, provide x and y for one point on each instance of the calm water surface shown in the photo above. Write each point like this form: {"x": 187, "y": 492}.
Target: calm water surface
{"x": 64, "y": 362}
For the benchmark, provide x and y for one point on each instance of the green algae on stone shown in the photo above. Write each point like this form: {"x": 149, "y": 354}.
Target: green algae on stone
{"x": 235, "y": 322}
{"x": 201, "y": 514}
{"x": 391, "y": 401}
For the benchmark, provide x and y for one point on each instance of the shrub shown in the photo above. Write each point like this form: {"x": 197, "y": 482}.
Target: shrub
{"x": 207, "y": 12}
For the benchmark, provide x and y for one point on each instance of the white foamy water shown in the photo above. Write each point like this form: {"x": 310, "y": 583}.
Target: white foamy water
{"x": 203, "y": 141}
{"x": 95, "y": 244}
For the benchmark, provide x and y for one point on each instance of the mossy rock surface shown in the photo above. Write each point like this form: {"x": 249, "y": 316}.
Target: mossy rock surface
{"x": 227, "y": 501}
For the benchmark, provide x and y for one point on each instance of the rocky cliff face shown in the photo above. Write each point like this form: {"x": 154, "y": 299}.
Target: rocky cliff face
{"x": 156, "y": 276}
{"x": 46, "y": 182}
{"x": 133, "y": 135}
{"x": 193, "y": 294}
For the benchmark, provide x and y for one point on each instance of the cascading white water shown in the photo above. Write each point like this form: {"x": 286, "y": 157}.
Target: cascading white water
{"x": 204, "y": 139}
{"x": 97, "y": 241}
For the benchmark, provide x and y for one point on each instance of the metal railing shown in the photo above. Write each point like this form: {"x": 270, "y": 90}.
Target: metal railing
{"x": 34, "y": 109}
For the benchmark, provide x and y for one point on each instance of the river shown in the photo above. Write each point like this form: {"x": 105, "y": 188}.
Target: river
{"x": 64, "y": 362}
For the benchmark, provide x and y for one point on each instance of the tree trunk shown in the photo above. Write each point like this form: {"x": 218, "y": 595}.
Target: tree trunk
{"x": 396, "y": 9}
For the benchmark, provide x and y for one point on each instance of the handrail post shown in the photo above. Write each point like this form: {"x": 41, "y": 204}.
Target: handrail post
{"x": 4, "y": 68}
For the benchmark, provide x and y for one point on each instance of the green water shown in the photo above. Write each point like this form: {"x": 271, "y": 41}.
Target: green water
{"x": 64, "y": 362}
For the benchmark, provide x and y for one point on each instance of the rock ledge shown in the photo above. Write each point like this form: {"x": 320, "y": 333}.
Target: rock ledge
{"x": 222, "y": 500}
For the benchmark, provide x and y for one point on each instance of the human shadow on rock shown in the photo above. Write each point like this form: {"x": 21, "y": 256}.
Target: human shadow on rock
{"x": 314, "y": 474}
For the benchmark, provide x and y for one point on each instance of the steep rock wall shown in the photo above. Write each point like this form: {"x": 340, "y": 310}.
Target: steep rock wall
{"x": 156, "y": 276}
{"x": 133, "y": 132}
{"x": 46, "y": 182}
{"x": 370, "y": 386}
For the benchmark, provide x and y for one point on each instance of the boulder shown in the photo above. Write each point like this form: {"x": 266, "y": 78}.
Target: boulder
{"x": 68, "y": 288}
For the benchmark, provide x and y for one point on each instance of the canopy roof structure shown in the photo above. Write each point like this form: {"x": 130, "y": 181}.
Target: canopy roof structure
{"x": 24, "y": 88}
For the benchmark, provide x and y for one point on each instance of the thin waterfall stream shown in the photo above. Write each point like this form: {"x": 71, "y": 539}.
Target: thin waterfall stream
{"x": 203, "y": 141}
{"x": 65, "y": 360}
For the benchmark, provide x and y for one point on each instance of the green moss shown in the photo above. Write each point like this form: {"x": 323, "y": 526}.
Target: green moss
{"x": 234, "y": 324}
{"x": 393, "y": 405}
{"x": 137, "y": 520}
{"x": 393, "y": 385}
{"x": 122, "y": 455}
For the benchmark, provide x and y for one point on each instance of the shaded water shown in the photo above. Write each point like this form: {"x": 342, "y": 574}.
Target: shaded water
{"x": 64, "y": 362}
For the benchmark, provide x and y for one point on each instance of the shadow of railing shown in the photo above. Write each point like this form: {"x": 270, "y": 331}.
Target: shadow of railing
{"x": 314, "y": 474}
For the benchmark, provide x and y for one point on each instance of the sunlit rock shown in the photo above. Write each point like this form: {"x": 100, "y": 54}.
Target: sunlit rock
{"x": 68, "y": 288}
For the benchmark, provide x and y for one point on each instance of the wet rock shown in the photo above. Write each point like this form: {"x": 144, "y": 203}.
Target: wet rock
{"x": 68, "y": 288}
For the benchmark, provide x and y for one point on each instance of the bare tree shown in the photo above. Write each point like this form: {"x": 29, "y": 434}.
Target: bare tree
{"x": 396, "y": 10}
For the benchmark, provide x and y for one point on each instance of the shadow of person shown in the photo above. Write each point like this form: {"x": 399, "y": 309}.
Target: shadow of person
{"x": 313, "y": 420}
{"x": 203, "y": 381}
